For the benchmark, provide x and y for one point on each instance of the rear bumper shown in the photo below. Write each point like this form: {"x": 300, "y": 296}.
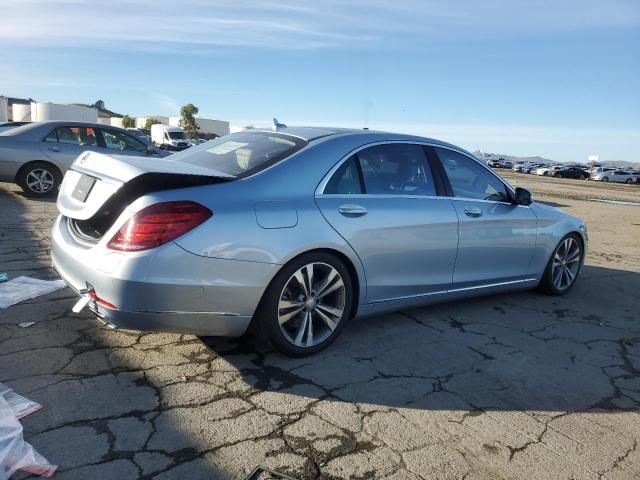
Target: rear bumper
{"x": 165, "y": 289}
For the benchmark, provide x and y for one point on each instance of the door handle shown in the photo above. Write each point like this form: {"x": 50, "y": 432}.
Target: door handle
{"x": 472, "y": 212}
{"x": 54, "y": 149}
{"x": 352, "y": 210}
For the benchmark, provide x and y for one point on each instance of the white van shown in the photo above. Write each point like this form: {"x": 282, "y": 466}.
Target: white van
{"x": 169, "y": 138}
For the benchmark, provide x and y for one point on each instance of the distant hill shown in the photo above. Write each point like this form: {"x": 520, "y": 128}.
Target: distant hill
{"x": 537, "y": 159}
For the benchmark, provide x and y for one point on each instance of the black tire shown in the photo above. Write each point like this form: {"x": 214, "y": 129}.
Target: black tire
{"x": 545, "y": 174}
{"x": 628, "y": 181}
{"x": 267, "y": 325}
{"x": 605, "y": 179}
{"x": 48, "y": 172}
{"x": 547, "y": 284}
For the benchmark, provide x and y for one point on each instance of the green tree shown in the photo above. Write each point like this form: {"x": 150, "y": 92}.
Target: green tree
{"x": 150, "y": 121}
{"x": 188, "y": 120}
{"x": 128, "y": 122}
{"x": 99, "y": 104}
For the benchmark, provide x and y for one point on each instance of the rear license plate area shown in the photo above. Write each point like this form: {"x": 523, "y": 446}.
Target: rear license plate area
{"x": 83, "y": 188}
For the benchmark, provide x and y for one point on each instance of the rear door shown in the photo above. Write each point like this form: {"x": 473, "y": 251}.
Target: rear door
{"x": 384, "y": 202}
{"x": 65, "y": 143}
{"x": 497, "y": 237}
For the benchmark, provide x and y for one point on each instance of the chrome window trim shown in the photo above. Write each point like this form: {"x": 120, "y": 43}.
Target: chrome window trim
{"x": 378, "y": 195}
{"x": 323, "y": 183}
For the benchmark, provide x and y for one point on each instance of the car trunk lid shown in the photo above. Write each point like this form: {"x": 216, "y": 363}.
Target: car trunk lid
{"x": 96, "y": 181}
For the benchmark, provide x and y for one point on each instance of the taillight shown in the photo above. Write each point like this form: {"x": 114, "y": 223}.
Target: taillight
{"x": 158, "y": 224}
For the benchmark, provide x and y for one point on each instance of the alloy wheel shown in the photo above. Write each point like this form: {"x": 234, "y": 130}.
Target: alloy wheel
{"x": 311, "y": 304}
{"x": 40, "y": 180}
{"x": 566, "y": 263}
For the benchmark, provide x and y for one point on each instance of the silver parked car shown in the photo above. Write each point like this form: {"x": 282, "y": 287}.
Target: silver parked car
{"x": 36, "y": 155}
{"x": 620, "y": 176}
{"x": 300, "y": 230}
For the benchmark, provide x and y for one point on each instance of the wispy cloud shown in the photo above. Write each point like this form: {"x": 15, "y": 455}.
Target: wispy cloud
{"x": 194, "y": 25}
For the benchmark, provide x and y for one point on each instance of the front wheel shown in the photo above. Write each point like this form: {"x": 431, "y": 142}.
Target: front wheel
{"x": 628, "y": 181}
{"x": 564, "y": 266}
{"x": 605, "y": 179}
{"x": 306, "y": 305}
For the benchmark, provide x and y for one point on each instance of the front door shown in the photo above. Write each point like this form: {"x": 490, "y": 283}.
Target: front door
{"x": 383, "y": 202}
{"x": 497, "y": 237}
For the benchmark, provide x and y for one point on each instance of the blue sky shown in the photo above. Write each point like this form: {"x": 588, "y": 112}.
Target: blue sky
{"x": 558, "y": 78}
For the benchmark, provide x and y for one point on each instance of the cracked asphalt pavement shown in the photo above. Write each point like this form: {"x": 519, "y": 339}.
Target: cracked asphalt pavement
{"x": 511, "y": 386}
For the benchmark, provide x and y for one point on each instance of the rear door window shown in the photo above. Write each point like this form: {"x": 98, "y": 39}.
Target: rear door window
{"x": 241, "y": 154}
{"x": 396, "y": 169}
{"x": 73, "y": 136}
{"x": 345, "y": 180}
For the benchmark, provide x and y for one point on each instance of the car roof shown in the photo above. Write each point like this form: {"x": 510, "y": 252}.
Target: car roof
{"x": 314, "y": 133}
{"x": 33, "y": 126}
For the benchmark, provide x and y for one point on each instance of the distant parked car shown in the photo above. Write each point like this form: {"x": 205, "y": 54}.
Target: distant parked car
{"x": 9, "y": 125}
{"x": 531, "y": 168}
{"x": 494, "y": 163}
{"x": 140, "y": 133}
{"x": 597, "y": 170}
{"x": 620, "y": 176}
{"x": 570, "y": 172}
{"x": 545, "y": 171}
{"x": 36, "y": 155}
{"x": 507, "y": 164}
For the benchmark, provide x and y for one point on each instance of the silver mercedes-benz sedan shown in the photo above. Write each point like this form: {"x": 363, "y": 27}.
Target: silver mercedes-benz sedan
{"x": 299, "y": 230}
{"x": 36, "y": 155}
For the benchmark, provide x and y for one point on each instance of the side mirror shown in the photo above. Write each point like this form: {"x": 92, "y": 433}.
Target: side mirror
{"x": 523, "y": 196}
{"x": 150, "y": 150}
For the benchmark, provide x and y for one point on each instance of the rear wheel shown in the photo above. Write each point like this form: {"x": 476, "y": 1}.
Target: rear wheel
{"x": 564, "y": 266}
{"x": 628, "y": 181}
{"x": 306, "y": 305}
{"x": 39, "y": 179}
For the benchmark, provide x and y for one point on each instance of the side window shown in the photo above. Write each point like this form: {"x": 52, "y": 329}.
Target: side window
{"x": 52, "y": 137}
{"x": 121, "y": 141}
{"x": 396, "y": 169}
{"x": 469, "y": 179}
{"x": 75, "y": 136}
{"x": 345, "y": 180}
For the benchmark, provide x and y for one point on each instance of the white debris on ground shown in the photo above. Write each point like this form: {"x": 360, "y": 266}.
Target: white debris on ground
{"x": 25, "y": 288}
{"x": 15, "y": 453}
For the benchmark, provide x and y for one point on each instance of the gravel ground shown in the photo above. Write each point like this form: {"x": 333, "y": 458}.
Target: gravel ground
{"x": 513, "y": 386}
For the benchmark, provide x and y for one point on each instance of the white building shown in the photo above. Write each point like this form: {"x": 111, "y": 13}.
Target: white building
{"x": 142, "y": 121}
{"x": 206, "y": 125}
{"x": 40, "y": 112}
{"x": 4, "y": 109}
{"x": 21, "y": 112}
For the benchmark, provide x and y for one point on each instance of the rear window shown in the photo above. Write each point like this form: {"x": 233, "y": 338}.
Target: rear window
{"x": 241, "y": 154}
